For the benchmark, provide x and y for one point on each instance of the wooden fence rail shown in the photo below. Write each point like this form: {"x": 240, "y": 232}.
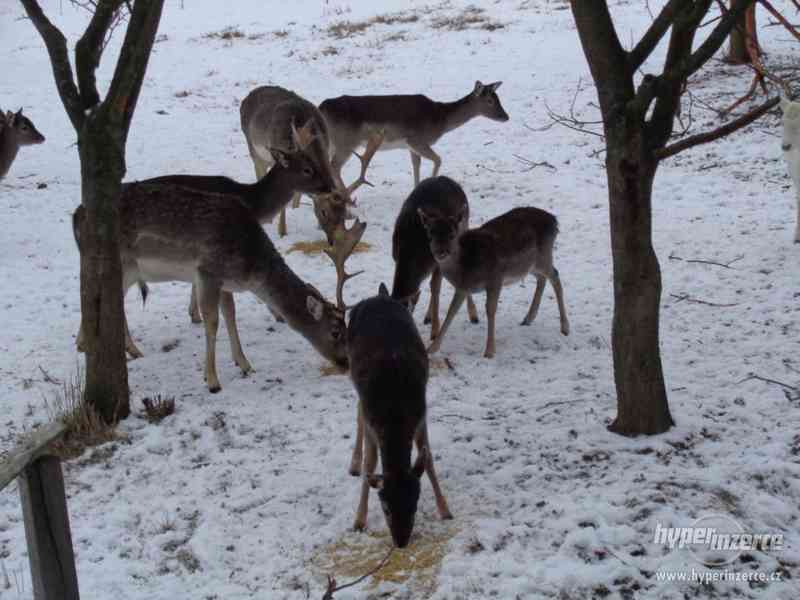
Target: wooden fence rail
{"x": 44, "y": 511}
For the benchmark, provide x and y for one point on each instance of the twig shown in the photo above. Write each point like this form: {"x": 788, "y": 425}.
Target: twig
{"x": 533, "y": 165}
{"x": 726, "y": 265}
{"x": 688, "y": 298}
{"x": 48, "y": 378}
{"x": 767, "y": 380}
{"x": 549, "y": 404}
{"x": 332, "y": 588}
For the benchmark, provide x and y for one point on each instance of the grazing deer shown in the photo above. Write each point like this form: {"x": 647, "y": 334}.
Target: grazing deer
{"x": 294, "y": 172}
{"x": 16, "y": 130}
{"x": 442, "y": 197}
{"x": 389, "y": 369}
{"x": 174, "y": 233}
{"x": 269, "y": 116}
{"x": 791, "y": 150}
{"x": 414, "y": 122}
{"x": 498, "y": 253}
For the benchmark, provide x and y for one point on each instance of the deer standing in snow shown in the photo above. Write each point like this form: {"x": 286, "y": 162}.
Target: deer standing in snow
{"x": 501, "y": 251}
{"x": 791, "y": 150}
{"x": 389, "y": 369}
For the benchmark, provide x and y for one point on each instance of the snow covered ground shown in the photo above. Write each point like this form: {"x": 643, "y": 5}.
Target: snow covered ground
{"x": 245, "y": 494}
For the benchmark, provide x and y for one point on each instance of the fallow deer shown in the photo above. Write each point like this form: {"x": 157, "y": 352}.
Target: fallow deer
{"x": 389, "y": 370}
{"x": 174, "y": 233}
{"x": 440, "y": 197}
{"x": 272, "y": 192}
{"x": 16, "y": 130}
{"x": 500, "y": 252}
{"x": 414, "y": 122}
{"x": 269, "y": 116}
{"x": 791, "y": 150}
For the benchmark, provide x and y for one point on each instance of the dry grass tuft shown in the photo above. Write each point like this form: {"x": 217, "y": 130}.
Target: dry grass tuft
{"x": 156, "y": 409}
{"x": 471, "y": 17}
{"x": 228, "y": 34}
{"x": 85, "y": 428}
{"x": 319, "y": 246}
{"x": 345, "y": 29}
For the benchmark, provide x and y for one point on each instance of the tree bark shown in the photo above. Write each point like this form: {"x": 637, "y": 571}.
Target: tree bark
{"x": 642, "y": 406}
{"x": 744, "y": 39}
{"x": 102, "y": 308}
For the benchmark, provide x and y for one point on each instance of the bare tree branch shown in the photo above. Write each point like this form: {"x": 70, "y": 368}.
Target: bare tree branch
{"x": 654, "y": 34}
{"x": 781, "y": 18}
{"x": 89, "y": 49}
{"x": 719, "y": 132}
{"x": 56, "y": 45}
{"x": 129, "y": 73}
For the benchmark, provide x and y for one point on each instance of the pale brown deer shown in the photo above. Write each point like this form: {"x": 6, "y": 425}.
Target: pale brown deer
{"x": 16, "y": 130}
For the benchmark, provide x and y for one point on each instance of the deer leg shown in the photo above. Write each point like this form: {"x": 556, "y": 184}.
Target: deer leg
{"x": 424, "y": 150}
{"x": 455, "y": 305}
{"x": 472, "y": 310}
{"x": 296, "y": 199}
{"x": 370, "y": 460}
{"x": 130, "y": 276}
{"x": 415, "y": 164}
{"x": 541, "y": 281}
{"x": 229, "y": 314}
{"x": 433, "y": 307}
{"x": 492, "y": 298}
{"x": 358, "y": 450}
{"x": 130, "y": 346}
{"x": 441, "y": 503}
{"x": 278, "y": 317}
{"x": 194, "y": 310}
{"x": 555, "y": 281}
{"x": 282, "y": 223}
{"x": 208, "y": 293}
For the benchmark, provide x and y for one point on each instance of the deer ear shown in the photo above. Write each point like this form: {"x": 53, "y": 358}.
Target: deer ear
{"x": 375, "y": 481}
{"x": 315, "y": 307}
{"x": 19, "y": 112}
{"x": 11, "y": 118}
{"x": 493, "y": 86}
{"x": 478, "y": 89}
{"x": 279, "y": 156}
{"x": 421, "y": 462}
{"x": 382, "y": 291}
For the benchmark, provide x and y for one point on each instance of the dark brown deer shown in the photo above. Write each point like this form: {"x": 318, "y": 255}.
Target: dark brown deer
{"x": 175, "y": 233}
{"x": 500, "y": 252}
{"x": 270, "y": 194}
{"x": 389, "y": 369}
{"x": 16, "y": 130}
{"x": 269, "y": 118}
{"x": 441, "y": 197}
{"x": 414, "y": 122}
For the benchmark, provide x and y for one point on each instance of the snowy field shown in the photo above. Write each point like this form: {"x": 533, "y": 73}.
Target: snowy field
{"x": 245, "y": 494}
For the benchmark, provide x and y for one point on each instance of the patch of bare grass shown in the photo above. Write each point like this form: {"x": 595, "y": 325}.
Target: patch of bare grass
{"x": 471, "y": 17}
{"x": 157, "y": 408}
{"x": 84, "y": 427}
{"x": 229, "y": 33}
{"x": 345, "y": 29}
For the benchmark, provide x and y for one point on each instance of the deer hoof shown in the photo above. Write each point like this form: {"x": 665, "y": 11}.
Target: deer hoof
{"x": 525, "y": 322}
{"x": 474, "y": 320}
{"x": 355, "y": 471}
{"x": 214, "y": 388}
{"x": 565, "y": 328}
{"x": 488, "y": 354}
{"x": 359, "y": 526}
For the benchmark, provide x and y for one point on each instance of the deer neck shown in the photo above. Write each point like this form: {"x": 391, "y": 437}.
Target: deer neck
{"x": 395, "y": 455}
{"x": 8, "y": 151}
{"x": 457, "y": 113}
{"x": 270, "y": 194}
{"x": 283, "y": 291}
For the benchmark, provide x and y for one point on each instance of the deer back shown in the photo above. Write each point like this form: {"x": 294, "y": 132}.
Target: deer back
{"x": 411, "y": 251}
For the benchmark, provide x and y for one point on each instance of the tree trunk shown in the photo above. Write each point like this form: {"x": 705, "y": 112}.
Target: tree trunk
{"x": 738, "y": 52}
{"x": 102, "y": 170}
{"x": 641, "y": 394}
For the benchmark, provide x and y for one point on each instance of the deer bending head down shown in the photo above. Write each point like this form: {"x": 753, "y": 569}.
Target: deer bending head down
{"x": 16, "y": 130}
{"x": 500, "y": 252}
{"x": 791, "y": 150}
{"x": 389, "y": 369}
{"x": 414, "y": 122}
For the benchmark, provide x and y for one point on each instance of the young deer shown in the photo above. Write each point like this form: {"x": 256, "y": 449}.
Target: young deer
{"x": 175, "y": 233}
{"x": 791, "y": 150}
{"x": 442, "y": 197}
{"x": 269, "y": 115}
{"x": 389, "y": 369}
{"x": 16, "y": 130}
{"x": 414, "y": 122}
{"x": 499, "y": 252}
{"x": 272, "y": 192}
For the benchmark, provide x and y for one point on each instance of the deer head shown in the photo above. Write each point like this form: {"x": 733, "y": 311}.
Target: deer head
{"x": 443, "y": 232}
{"x": 399, "y": 495}
{"x": 487, "y": 102}
{"x": 328, "y": 334}
{"x": 26, "y": 132}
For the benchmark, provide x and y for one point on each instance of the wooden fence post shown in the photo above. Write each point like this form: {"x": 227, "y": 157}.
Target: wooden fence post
{"x": 44, "y": 508}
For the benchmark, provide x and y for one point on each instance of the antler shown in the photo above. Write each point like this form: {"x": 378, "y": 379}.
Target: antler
{"x": 344, "y": 242}
{"x": 373, "y": 143}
